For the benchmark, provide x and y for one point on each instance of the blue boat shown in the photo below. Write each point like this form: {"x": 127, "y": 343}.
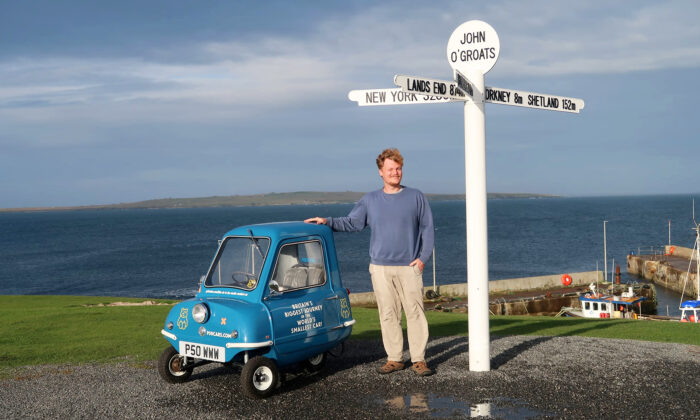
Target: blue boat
{"x": 692, "y": 307}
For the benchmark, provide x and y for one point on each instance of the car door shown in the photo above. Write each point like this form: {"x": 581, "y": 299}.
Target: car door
{"x": 304, "y": 309}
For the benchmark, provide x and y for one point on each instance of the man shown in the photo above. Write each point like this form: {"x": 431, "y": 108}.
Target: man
{"x": 401, "y": 242}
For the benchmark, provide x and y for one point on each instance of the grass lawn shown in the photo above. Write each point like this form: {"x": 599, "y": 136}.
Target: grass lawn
{"x": 71, "y": 329}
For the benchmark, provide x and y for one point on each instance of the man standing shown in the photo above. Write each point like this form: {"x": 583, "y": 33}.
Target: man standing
{"x": 401, "y": 242}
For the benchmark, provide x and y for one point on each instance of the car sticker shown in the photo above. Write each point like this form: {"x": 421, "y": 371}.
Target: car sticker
{"x": 224, "y": 292}
{"x": 182, "y": 321}
{"x": 218, "y": 334}
{"x": 344, "y": 308}
{"x": 303, "y": 312}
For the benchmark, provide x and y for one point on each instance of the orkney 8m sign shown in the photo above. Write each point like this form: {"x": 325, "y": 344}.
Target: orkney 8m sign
{"x": 522, "y": 98}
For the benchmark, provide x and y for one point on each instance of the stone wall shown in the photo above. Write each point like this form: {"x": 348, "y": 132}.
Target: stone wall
{"x": 661, "y": 273}
{"x": 679, "y": 251}
{"x": 498, "y": 286}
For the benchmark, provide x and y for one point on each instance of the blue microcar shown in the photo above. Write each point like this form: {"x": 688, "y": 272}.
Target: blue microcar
{"x": 272, "y": 298}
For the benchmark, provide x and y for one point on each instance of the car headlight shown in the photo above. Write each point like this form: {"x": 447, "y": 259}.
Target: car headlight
{"x": 200, "y": 313}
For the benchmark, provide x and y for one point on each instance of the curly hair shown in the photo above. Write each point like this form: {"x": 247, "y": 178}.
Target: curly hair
{"x": 392, "y": 154}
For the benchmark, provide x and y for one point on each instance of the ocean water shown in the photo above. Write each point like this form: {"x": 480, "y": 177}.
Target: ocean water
{"x": 162, "y": 253}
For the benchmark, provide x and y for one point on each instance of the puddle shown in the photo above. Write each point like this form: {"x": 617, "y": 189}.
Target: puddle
{"x": 436, "y": 406}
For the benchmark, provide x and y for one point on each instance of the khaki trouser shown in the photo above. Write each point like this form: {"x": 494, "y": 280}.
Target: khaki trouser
{"x": 396, "y": 287}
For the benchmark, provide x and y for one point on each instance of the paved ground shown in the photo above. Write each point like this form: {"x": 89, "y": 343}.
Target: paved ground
{"x": 531, "y": 377}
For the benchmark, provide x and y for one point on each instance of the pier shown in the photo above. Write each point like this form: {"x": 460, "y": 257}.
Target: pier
{"x": 539, "y": 295}
{"x": 523, "y": 284}
{"x": 667, "y": 268}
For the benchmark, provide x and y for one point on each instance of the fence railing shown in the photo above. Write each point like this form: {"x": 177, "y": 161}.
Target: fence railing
{"x": 657, "y": 253}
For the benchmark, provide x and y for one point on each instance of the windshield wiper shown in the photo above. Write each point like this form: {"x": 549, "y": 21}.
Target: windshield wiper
{"x": 255, "y": 242}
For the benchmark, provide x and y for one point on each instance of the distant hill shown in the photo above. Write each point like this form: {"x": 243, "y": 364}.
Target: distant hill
{"x": 271, "y": 199}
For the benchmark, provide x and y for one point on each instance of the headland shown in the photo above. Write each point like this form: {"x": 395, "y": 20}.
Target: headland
{"x": 269, "y": 199}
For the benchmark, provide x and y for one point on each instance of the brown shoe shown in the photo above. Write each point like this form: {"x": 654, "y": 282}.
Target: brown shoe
{"x": 390, "y": 366}
{"x": 421, "y": 369}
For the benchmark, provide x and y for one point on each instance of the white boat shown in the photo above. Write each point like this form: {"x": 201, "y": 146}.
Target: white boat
{"x": 599, "y": 305}
{"x": 626, "y": 305}
{"x": 690, "y": 309}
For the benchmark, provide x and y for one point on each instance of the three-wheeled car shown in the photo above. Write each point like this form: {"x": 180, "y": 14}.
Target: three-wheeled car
{"x": 272, "y": 298}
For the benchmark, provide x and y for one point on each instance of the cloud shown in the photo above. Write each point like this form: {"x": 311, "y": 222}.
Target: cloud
{"x": 343, "y": 53}
{"x": 588, "y": 39}
{"x": 251, "y": 80}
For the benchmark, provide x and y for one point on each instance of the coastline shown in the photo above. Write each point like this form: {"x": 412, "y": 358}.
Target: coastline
{"x": 255, "y": 200}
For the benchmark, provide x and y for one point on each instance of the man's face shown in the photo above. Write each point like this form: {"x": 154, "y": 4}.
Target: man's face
{"x": 391, "y": 173}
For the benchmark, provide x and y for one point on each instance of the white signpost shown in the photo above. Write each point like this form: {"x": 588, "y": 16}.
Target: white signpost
{"x": 496, "y": 95}
{"x": 423, "y": 86}
{"x": 465, "y": 84}
{"x": 396, "y": 96}
{"x": 472, "y": 51}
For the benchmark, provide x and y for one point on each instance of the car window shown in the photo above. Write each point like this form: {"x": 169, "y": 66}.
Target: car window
{"x": 300, "y": 265}
{"x": 238, "y": 263}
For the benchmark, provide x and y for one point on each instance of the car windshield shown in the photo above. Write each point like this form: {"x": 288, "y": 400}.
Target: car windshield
{"x": 238, "y": 263}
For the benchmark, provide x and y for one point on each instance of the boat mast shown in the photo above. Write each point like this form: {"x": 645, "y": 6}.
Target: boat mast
{"x": 605, "y": 253}
{"x": 694, "y": 254}
{"x": 697, "y": 256}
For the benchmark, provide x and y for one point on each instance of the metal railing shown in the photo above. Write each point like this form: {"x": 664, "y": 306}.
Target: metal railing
{"x": 657, "y": 253}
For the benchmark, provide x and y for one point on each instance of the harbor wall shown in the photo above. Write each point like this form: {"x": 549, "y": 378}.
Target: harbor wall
{"x": 680, "y": 251}
{"x": 497, "y": 286}
{"x": 662, "y": 273}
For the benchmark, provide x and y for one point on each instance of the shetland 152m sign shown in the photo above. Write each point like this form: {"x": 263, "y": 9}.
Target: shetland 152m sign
{"x": 532, "y": 100}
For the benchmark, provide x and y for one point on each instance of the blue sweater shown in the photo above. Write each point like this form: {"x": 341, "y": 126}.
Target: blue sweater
{"x": 401, "y": 224}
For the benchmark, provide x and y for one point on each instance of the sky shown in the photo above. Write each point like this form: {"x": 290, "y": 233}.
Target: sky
{"x": 111, "y": 102}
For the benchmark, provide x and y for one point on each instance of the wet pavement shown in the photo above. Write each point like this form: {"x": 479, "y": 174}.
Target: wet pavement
{"x": 531, "y": 377}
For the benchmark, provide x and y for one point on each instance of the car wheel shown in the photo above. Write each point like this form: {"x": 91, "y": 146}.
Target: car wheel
{"x": 316, "y": 363}
{"x": 170, "y": 367}
{"x": 259, "y": 377}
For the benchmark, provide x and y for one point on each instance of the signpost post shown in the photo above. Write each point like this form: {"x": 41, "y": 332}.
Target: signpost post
{"x": 472, "y": 51}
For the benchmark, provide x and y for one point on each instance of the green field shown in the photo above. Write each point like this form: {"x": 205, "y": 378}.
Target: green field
{"x": 37, "y": 330}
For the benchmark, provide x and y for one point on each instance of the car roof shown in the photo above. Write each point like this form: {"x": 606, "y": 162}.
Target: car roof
{"x": 281, "y": 230}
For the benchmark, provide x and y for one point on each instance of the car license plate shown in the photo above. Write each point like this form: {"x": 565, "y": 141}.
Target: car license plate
{"x": 203, "y": 351}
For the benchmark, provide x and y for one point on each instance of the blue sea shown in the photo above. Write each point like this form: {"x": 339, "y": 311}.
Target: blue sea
{"x": 162, "y": 253}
